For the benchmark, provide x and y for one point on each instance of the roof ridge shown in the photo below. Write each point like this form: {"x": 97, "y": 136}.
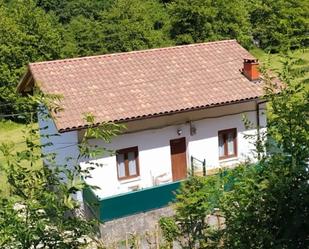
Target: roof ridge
{"x": 130, "y": 52}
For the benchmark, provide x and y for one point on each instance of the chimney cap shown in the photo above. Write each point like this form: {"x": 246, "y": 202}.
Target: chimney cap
{"x": 251, "y": 70}
{"x": 251, "y": 61}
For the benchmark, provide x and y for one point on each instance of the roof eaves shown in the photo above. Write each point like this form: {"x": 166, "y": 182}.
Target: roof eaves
{"x": 166, "y": 113}
{"x": 26, "y": 78}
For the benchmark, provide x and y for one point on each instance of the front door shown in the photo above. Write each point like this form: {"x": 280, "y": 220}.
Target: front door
{"x": 179, "y": 159}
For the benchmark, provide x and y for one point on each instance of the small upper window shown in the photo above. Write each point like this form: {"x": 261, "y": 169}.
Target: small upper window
{"x": 127, "y": 163}
{"x": 227, "y": 143}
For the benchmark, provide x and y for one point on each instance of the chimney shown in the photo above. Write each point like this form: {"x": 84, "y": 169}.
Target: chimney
{"x": 251, "y": 69}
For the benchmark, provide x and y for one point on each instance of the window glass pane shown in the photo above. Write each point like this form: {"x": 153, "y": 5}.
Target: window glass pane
{"x": 132, "y": 163}
{"x": 121, "y": 166}
{"x": 230, "y": 143}
{"x": 221, "y": 145}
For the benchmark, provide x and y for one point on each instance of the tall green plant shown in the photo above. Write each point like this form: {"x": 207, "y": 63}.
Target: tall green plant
{"x": 198, "y": 21}
{"x": 279, "y": 24}
{"x": 27, "y": 34}
{"x": 40, "y": 211}
{"x": 197, "y": 198}
{"x": 269, "y": 208}
{"x": 265, "y": 205}
{"x": 135, "y": 25}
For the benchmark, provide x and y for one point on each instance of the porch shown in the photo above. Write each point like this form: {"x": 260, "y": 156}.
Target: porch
{"x": 118, "y": 206}
{"x": 138, "y": 200}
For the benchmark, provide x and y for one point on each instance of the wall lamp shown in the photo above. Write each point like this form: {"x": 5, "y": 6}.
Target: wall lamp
{"x": 179, "y": 131}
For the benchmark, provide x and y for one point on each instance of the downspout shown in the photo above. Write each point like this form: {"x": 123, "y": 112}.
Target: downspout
{"x": 257, "y": 108}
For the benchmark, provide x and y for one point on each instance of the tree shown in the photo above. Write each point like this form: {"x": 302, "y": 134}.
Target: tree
{"x": 199, "y": 21}
{"x": 279, "y": 24}
{"x": 197, "y": 198}
{"x": 68, "y": 9}
{"x": 265, "y": 205}
{"x": 87, "y": 35}
{"x": 40, "y": 211}
{"x": 268, "y": 208}
{"x": 27, "y": 34}
{"x": 134, "y": 25}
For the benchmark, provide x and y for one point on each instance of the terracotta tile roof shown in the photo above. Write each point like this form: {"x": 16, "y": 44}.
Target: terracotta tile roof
{"x": 126, "y": 86}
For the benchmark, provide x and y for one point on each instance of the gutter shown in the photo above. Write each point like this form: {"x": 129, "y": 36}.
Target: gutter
{"x": 150, "y": 116}
{"x": 257, "y": 108}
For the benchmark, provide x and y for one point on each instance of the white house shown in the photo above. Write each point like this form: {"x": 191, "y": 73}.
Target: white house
{"x": 177, "y": 103}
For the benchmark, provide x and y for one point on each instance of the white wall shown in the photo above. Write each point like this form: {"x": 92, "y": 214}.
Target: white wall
{"x": 65, "y": 145}
{"x": 154, "y": 151}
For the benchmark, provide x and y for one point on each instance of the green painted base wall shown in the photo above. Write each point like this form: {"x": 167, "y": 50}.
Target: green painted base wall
{"x": 131, "y": 203}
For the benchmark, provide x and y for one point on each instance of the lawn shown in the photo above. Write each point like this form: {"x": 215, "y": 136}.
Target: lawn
{"x": 10, "y": 132}
{"x": 275, "y": 60}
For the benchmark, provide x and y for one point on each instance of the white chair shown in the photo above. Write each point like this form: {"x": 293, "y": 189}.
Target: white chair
{"x": 162, "y": 178}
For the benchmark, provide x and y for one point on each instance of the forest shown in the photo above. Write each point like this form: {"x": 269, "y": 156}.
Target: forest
{"x": 38, "y": 30}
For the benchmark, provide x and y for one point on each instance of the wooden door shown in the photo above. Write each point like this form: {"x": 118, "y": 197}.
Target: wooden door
{"x": 179, "y": 158}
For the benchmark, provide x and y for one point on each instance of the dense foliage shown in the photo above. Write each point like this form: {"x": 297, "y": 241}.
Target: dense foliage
{"x": 37, "y": 30}
{"x": 135, "y": 25}
{"x": 269, "y": 207}
{"x": 41, "y": 211}
{"x": 265, "y": 205}
{"x": 26, "y": 34}
{"x": 279, "y": 24}
{"x": 196, "y": 200}
{"x": 197, "y": 21}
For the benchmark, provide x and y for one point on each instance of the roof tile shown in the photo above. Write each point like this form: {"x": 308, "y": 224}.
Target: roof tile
{"x": 125, "y": 86}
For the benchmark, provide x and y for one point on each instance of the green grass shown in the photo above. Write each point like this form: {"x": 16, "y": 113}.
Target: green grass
{"x": 274, "y": 61}
{"x": 11, "y": 132}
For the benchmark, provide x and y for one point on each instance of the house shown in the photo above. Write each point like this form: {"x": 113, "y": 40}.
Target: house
{"x": 179, "y": 104}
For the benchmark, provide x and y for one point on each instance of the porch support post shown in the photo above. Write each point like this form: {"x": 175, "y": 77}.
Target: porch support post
{"x": 204, "y": 167}
{"x": 192, "y": 166}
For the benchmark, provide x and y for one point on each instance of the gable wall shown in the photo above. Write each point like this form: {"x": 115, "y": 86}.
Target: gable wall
{"x": 65, "y": 145}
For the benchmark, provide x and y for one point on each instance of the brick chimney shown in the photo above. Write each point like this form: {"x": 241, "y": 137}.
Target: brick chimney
{"x": 251, "y": 69}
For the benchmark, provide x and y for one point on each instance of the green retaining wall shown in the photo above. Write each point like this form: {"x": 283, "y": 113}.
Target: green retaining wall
{"x": 131, "y": 203}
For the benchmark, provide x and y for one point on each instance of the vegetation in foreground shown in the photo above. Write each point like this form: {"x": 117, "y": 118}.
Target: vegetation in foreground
{"x": 14, "y": 134}
{"x": 40, "y": 211}
{"x": 265, "y": 205}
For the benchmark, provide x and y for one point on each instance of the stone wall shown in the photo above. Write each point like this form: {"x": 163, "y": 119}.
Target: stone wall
{"x": 116, "y": 230}
{"x": 143, "y": 228}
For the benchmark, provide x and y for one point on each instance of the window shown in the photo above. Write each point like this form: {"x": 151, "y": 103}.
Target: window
{"x": 127, "y": 163}
{"x": 227, "y": 143}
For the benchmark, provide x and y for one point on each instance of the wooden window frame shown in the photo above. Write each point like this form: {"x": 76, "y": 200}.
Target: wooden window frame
{"x": 224, "y": 134}
{"x": 126, "y": 162}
